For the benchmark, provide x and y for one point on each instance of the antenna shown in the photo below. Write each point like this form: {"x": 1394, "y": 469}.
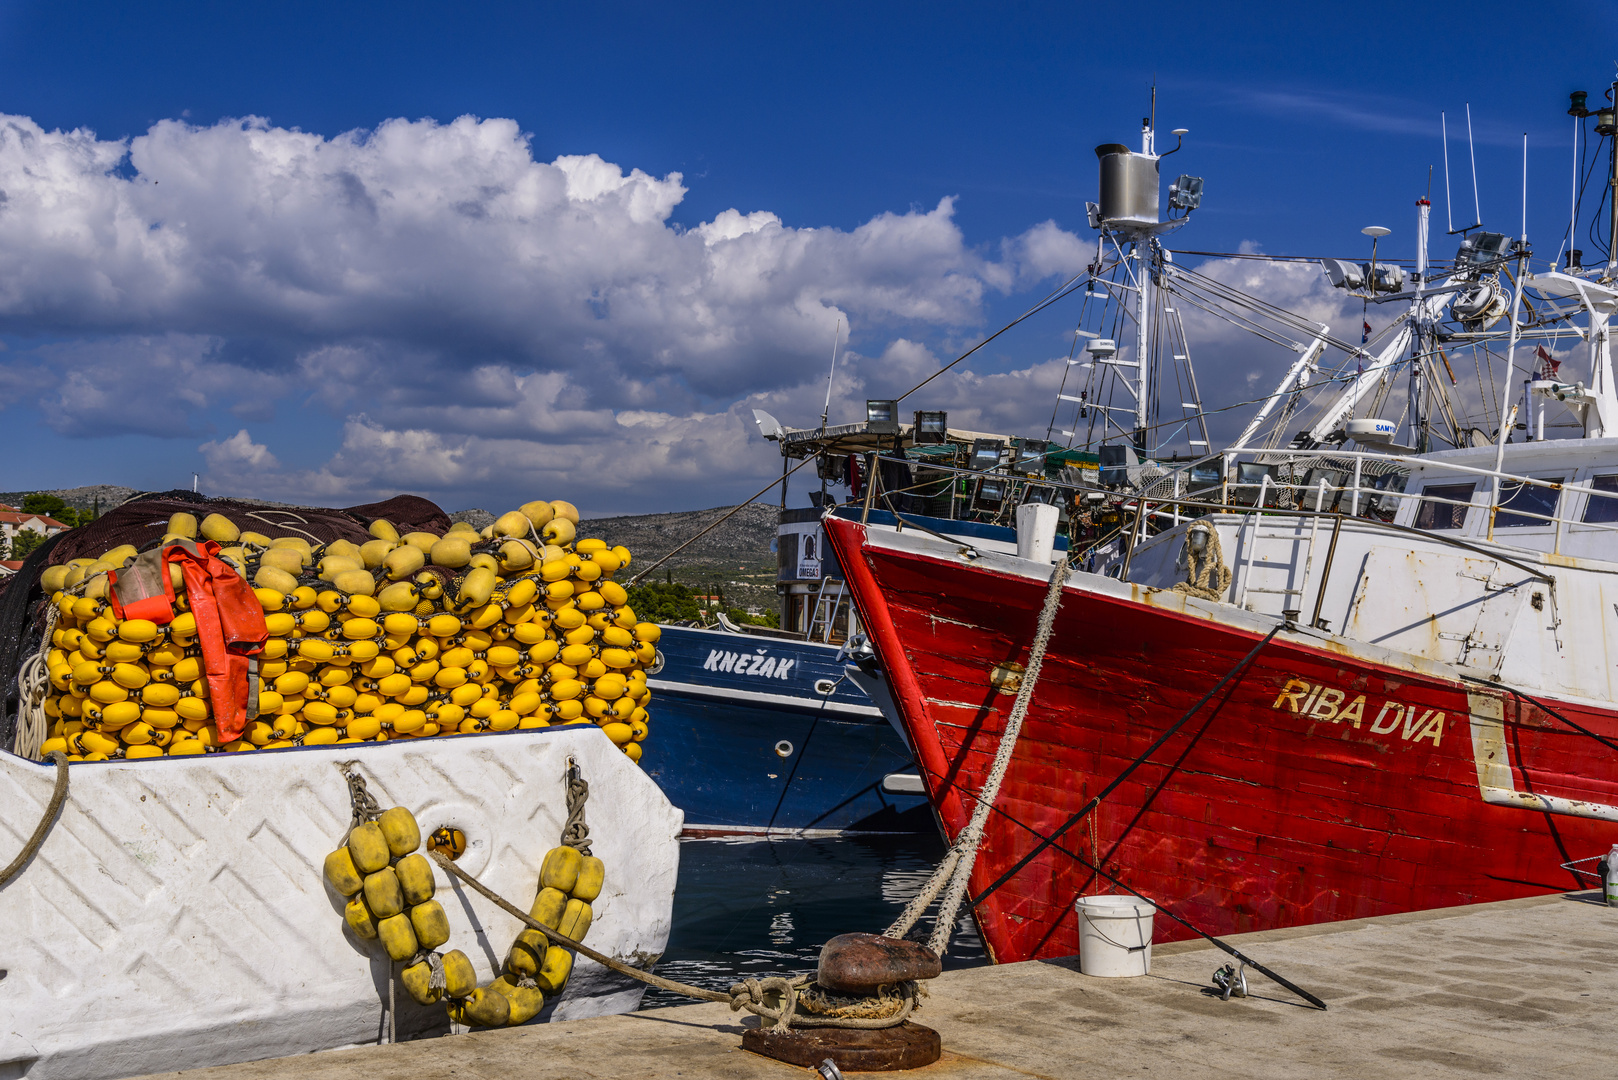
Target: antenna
{"x": 1148, "y": 127}
{"x": 1449, "y": 212}
{"x": 836, "y": 336}
{"x": 1525, "y": 187}
{"x": 1477, "y": 214}
{"x": 1573, "y": 204}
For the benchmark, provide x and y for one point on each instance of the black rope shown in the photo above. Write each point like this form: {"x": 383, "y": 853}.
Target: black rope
{"x": 1546, "y": 709}
{"x": 804, "y": 749}
{"x": 1060, "y": 292}
{"x": 1084, "y": 811}
{"x": 1195, "y": 929}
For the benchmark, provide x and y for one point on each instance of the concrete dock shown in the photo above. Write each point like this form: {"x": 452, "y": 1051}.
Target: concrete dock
{"x": 1523, "y": 986}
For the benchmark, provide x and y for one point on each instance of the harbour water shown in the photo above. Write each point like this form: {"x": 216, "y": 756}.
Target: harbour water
{"x": 750, "y": 907}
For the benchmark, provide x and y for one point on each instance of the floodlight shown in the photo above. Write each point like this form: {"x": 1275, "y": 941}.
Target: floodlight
{"x": 881, "y": 417}
{"x": 1185, "y": 193}
{"x": 986, "y": 454}
{"x": 1343, "y": 274}
{"x": 931, "y": 428}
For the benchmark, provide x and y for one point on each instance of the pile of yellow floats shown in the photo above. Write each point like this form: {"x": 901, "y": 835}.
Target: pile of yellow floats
{"x": 389, "y": 887}
{"x": 405, "y": 636}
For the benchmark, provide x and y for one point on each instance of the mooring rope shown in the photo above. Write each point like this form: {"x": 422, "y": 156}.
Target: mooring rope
{"x": 576, "y": 834}
{"x": 954, "y": 871}
{"x": 755, "y": 995}
{"x": 35, "y": 842}
{"x": 33, "y": 687}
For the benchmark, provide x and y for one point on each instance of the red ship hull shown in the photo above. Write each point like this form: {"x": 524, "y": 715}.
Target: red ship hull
{"x": 1317, "y": 786}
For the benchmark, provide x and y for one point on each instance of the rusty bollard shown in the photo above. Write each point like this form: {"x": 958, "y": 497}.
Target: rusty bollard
{"x": 856, "y": 965}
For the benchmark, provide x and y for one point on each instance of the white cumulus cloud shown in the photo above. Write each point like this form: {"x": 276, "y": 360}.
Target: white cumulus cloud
{"x": 478, "y": 324}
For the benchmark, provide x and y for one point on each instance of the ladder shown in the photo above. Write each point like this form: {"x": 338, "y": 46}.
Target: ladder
{"x": 825, "y": 611}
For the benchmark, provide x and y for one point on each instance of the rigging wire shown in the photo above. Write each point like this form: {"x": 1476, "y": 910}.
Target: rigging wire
{"x": 1060, "y": 292}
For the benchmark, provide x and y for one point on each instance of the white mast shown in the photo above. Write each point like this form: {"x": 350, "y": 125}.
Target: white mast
{"x": 1129, "y": 214}
{"x": 1143, "y": 278}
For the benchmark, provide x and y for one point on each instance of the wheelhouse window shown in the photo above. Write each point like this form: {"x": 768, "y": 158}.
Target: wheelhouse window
{"x": 1527, "y": 504}
{"x": 1601, "y": 509}
{"x": 1439, "y": 510}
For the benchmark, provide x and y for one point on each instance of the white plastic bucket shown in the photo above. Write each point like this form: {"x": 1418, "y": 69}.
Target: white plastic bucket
{"x": 1115, "y": 936}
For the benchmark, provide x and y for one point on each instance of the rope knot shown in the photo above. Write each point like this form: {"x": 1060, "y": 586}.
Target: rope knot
{"x": 363, "y": 806}
{"x": 576, "y": 834}
{"x": 1206, "y": 574}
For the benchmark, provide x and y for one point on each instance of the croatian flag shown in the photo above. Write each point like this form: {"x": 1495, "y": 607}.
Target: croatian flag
{"x": 1365, "y": 332}
{"x": 1548, "y": 364}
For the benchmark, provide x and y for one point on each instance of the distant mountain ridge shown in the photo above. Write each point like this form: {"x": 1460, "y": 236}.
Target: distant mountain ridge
{"x": 79, "y": 498}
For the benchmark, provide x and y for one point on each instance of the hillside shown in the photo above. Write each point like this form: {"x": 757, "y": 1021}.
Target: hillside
{"x": 734, "y": 558}
{"x": 106, "y": 496}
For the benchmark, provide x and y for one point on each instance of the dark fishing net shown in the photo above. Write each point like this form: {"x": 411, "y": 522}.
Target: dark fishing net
{"x": 142, "y": 522}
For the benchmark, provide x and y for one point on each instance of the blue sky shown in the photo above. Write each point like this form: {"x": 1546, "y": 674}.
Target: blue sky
{"x": 497, "y": 310}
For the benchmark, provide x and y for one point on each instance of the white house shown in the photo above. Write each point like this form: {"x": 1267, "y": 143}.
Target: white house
{"x": 14, "y": 521}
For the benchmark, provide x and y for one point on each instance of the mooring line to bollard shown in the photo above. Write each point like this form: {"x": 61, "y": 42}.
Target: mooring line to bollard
{"x": 568, "y": 943}
{"x": 750, "y": 994}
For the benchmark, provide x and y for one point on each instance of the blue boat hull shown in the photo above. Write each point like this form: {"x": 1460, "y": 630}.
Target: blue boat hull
{"x": 755, "y": 735}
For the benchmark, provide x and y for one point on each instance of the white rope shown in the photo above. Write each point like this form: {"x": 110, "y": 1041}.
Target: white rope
{"x": 33, "y": 685}
{"x": 955, "y": 869}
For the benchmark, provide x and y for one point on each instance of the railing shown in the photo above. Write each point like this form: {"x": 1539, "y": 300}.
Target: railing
{"x": 1516, "y": 482}
{"x": 1152, "y": 510}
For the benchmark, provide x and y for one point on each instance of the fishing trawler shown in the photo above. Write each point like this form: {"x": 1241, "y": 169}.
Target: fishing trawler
{"x": 1352, "y": 664}
{"x": 766, "y": 734}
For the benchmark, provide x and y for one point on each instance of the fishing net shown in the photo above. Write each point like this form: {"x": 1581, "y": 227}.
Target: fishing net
{"x": 141, "y": 522}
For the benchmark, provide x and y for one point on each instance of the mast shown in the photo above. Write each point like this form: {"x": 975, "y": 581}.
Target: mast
{"x": 1143, "y": 277}
{"x": 1612, "y": 182}
{"x": 1129, "y": 216}
{"x": 1420, "y": 423}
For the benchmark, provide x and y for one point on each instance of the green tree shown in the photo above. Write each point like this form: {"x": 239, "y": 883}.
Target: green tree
{"x": 50, "y": 506}
{"x": 663, "y": 602}
{"x": 23, "y": 544}
{"x": 742, "y": 618}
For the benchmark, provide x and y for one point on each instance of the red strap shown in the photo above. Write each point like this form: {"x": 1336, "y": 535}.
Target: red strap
{"x": 230, "y": 628}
